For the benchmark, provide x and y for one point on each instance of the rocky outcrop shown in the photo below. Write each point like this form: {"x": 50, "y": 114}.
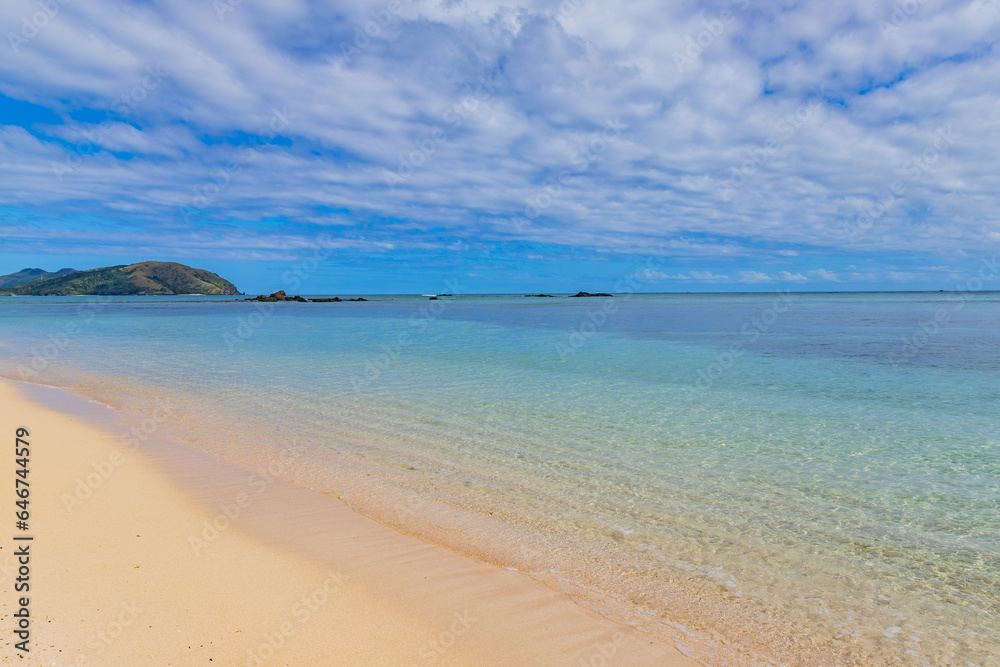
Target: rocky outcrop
{"x": 277, "y": 296}
{"x": 281, "y": 296}
{"x": 538, "y": 295}
{"x": 591, "y": 294}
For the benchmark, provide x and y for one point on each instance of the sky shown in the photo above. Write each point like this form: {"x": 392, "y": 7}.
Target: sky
{"x": 478, "y": 146}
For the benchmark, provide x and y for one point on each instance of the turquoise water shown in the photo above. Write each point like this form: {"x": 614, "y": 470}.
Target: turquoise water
{"x": 766, "y": 478}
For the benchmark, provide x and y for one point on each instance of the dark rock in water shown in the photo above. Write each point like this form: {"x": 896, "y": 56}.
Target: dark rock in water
{"x": 281, "y": 296}
{"x": 277, "y": 296}
{"x": 433, "y": 298}
{"x": 589, "y": 294}
{"x": 538, "y": 295}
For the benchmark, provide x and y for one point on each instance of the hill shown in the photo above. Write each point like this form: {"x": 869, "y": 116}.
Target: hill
{"x": 28, "y": 275}
{"x": 159, "y": 278}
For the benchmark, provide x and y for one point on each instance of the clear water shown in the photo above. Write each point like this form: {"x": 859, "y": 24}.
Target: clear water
{"x": 762, "y": 479}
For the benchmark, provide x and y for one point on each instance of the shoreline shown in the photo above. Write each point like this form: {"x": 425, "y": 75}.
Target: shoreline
{"x": 192, "y": 557}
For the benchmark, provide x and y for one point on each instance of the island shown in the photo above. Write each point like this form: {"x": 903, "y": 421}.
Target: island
{"x": 28, "y": 275}
{"x": 143, "y": 278}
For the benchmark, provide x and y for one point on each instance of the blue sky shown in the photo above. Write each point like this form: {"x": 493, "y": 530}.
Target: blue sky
{"x": 393, "y": 146}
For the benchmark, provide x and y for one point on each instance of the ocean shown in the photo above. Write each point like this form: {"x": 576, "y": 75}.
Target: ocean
{"x": 769, "y": 478}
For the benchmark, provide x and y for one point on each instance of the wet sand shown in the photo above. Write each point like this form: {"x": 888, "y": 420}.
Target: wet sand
{"x": 164, "y": 555}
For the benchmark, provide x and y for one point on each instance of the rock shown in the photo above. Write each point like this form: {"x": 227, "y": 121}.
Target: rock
{"x": 276, "y": 296}
{"x": 281, "y": 296}
{"x": 433, "y": 298}
{"x": 589, "y": 294}
{"x": 538, "y": 295}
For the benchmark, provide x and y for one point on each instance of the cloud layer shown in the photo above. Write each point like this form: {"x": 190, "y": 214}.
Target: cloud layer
{"x": 762, "y": 143}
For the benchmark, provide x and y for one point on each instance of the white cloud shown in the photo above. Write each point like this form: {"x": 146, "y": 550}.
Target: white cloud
{"x": 823, "y": 274}
{"x": 708, "y": 276}
{"x": 754, "y": 277}
{"x": 557, "y": 79}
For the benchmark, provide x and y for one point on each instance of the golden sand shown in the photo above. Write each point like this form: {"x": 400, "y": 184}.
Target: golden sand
{"x": 173, "y": 557}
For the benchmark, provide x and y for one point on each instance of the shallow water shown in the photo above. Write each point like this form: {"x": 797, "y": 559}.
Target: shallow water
{"x": 768, "y": 478}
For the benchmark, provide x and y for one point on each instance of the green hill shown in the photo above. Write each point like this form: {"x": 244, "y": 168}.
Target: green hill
{"x": 28, "y": 275}
{"x": 143, "y": 278}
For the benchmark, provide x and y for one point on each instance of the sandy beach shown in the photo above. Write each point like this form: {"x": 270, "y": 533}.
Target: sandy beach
{"x": 168, "y": 556}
